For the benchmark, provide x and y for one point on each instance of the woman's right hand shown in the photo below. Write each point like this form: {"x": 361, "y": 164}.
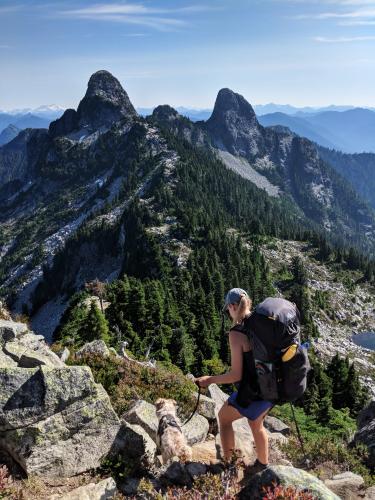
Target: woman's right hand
{"x": 204, "y": 381}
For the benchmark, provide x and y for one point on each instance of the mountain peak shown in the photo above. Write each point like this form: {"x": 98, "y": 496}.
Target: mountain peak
{"x": 233, "y": 125}
{"x": 228, "y": 102}
{"x": 105, "y": 101}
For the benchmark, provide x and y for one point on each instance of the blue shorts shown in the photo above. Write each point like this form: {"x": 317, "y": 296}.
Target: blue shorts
{"x": 254, "y": 409}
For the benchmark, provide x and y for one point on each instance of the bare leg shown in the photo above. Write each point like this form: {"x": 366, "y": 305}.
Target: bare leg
{"x": 227, "y": 415}
{"x": 260, "y": 437}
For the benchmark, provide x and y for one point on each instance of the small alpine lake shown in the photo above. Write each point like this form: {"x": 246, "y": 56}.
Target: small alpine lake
{"x": 365, "y": 339}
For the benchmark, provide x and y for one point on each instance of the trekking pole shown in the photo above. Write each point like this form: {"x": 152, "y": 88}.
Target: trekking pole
{"x": 307, "y": 461}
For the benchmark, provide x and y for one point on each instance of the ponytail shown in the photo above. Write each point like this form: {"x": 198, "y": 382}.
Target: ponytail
{"x": 243, "y": 306}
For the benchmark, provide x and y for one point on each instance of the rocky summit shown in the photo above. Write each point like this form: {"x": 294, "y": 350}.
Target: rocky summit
{"x": 104, "y": 103}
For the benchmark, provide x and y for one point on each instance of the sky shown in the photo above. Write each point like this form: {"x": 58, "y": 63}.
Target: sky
{"x": 300, "y": 52}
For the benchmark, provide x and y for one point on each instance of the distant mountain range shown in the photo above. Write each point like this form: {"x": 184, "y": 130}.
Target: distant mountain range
{"x": 20, "y": 119}
{"x": 343, "y": 128}
{"x": 351, "y": 131}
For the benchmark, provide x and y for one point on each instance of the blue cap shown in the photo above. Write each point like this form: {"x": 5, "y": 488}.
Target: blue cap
{"x": 234, "y": 296}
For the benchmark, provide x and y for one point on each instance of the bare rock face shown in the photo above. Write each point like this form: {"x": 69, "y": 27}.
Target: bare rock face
{"x": 54, "y": 419}
{"x": 287, "y": 476}
{"x": 346, "y": 485}
{"x": 104, "y": 103}
{"x": 366, "y": 431}
{"x": 234, "y": 125}
{"x": 103, "y": 490}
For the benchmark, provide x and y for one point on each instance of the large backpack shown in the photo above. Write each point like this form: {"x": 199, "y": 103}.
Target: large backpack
{"x": 281, "y": 363}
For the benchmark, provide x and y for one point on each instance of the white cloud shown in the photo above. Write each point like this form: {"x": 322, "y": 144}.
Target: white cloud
{"x": 136, "y": 13}
{"x": 323, "y": 39}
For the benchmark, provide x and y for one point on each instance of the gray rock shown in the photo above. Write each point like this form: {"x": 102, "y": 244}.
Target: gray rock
{"x": 10, "y": 329}
{"x": 366, "y": 436}
{"x": 288, "y": 476}
{"x": 103, "y": 490}
{"x": 143, "y": 414}
{"x": 366, "y": 415}
{"x": 6, "y": 361}
{"x": 135, "y": 445}
{"x": 346, "y": 485}
{"x": 273, "y": 424}
{"x": 55, "y": 422}
{"x": 97, "y": 347}
{"x": 370, "y": 493}
{"x": 206, "y": 407}
{"x": 34, "y": 355}
{"x": 196, "y": 430}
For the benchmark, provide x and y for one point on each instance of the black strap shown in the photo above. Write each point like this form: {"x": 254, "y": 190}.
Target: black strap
{"x": 196, "y": 406}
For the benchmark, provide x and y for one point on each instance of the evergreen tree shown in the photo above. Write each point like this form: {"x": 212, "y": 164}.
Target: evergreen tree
{"x": 95, "y": 326}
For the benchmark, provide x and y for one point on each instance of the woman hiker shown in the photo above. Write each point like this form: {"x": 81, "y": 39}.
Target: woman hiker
{"x": 238, "y": 307}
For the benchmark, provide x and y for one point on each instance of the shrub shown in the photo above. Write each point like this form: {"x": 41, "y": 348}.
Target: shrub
{"x": 280, "y": 492}
{"x": 5, "y": 482}
{"x": 126, "y": 382}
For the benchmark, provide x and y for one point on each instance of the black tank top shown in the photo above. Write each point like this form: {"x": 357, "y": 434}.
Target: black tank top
{"x": 247, "y": 387}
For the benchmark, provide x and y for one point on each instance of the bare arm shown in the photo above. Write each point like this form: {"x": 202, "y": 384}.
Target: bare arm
{"x": 235, "y": 373}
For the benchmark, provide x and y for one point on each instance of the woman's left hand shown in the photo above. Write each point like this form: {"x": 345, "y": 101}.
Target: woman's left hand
{"x": 204, "y": 381}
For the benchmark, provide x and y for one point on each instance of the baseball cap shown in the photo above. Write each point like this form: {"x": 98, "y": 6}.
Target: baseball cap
{"x": 234, "y": 297}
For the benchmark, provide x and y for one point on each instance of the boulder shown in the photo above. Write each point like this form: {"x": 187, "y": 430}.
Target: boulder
{"x": 346, "y": 485}
{"x": 370, "y": 493}
{"x": 143, "y": 414}
{"x": 103, "y": 490}
{"x": 287, "y": 476}
{"x": 96, "y": 347}
{"x": 366, "y": 415}
{"x": 9, "y": 330}
{"x": 135, "y": 446}
{"x": 366, "y": 436}
{"x": 274, "y": 424}
{"x": 29, "y": 355}
{"x": 55, "y": 421}
{"x": 196, "y": 430}
{"x": 206, "y": 407}
{"x": 206, "y": 452}
{"x": 6, "y": 361}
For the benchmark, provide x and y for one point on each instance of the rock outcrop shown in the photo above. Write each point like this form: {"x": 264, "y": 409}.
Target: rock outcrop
{"x": 104, "y": 103}
{"x": 287, "y": 476}
{"x": 103, "y": 490}
{"x": 54, "y": 419}
{"x": 366, "y": 431}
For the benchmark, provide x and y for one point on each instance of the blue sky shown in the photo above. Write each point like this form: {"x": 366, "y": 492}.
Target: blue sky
{"x": 301, "y": 52}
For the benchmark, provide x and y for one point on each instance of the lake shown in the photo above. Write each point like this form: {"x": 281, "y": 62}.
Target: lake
{"x": 365, "y": 339}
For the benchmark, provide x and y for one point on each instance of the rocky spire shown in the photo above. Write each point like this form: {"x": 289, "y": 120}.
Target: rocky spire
{"x": 230, "y": 106}
{"x": 104, "y": 103}
{"x": 233, "y": 125}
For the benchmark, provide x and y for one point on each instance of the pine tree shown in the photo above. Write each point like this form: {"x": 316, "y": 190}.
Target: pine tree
{"x": 95, "y": 326}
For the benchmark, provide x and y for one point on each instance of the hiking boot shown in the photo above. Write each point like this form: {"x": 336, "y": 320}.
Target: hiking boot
{"x": 256, "y": 467}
